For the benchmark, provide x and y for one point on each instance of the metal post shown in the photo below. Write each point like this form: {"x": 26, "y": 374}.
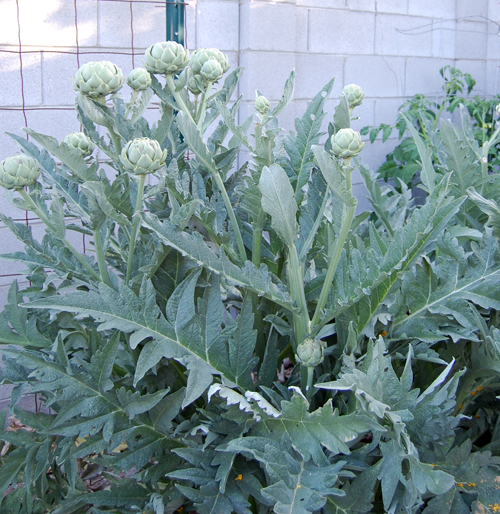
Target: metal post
{"x": 175, "y": 21}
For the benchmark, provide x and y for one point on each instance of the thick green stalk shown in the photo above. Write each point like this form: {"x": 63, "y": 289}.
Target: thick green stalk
{"x": 232, "y": 216}
{"x": 256, "y": 256}
{"x": 67, "y": 244}
{"x": 135, "y": 226}
{"x": 347, "y": 218}
{"x": 203, "y": 107}
{"x": 177, "y": 96}
{"x": 296, "y": 280}
{"x": 101, "y": 259}
{"x": 310, "y": 377}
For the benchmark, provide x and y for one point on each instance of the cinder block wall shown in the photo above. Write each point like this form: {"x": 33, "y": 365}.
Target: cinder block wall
{"x": 392, "y": 48}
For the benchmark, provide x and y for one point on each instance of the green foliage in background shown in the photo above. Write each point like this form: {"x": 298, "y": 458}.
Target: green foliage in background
{"x": 236, "y": 337}
{"x": 424, "y": 114}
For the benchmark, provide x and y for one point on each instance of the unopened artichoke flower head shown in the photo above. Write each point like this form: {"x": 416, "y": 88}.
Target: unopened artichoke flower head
{"x": 98, "y": 79}
{"x": 166, "y": 58}
{"x": 354, "y": 95}
{"x": 211, "y": 70}
{"x": 262, "y": 105}
{"x": 80, "y": 142}
{"x": 139, "y": 79}
{"x": 346, "y": 143}
{"x": 310, "y": 352}
{"x": 142, "y": 156}
{"x": 18, "y": 171}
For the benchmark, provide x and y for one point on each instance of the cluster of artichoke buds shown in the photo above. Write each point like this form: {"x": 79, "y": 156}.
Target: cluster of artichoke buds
{"x": 310, "y": 352}
{"x": 98, "y": 79}
{"x": 346, "y": 143}
{"x": 81, "y": 143}
{"x": 142, "y": 156}
{"x": 18, "y": 172}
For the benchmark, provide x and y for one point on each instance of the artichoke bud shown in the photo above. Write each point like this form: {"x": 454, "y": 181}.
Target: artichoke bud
{"x": 139, "y": 79}
{"x": 202, "y": 55}
{"x": 166, "y": 58}
{"x": 196, "y": 84}
{"x": 310, "y": 352}
{"x": 80, "y": 142}
{"x": 354, "y": 95}
{"x": 497, "y": 109}
{"x": 18, "y": 171}
{"x": 346, "y": 143}
{"x": 211, "y": 70}
{"x": 98, "y": 79}
{"x": 262, "y": 105}
{"x": 142, "y": 156}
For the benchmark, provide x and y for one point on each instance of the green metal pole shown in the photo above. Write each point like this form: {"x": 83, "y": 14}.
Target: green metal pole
{"x": 175, "y": 21}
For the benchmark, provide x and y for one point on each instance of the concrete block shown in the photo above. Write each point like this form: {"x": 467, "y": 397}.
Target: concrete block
{"x": 386, "y": 111}
{"x": 266, "y": 71}
{"x": 217, "y": 25}
{"x": 314, "y": 71}
{"x": 52, "y": 23}
{"x": 392, "y": 6}
{"x": 267, "y": 26}
{"x": 378, "y": 76}
{"x": 114, "y": 24}
{"x": 422, "y": 76}
{"x": 8, "y": 15}
{"x": 476, "y": 8}
{"x": 493, "y": 46}
{"x": 149, "y": 22}
{"x": 301, "y": 29}
{"x": 57, "y": 123}
{"x": 478, "y": 71}
{"x": 443, "y": 38}
{"x": 402, "y": 35}
{"x": 492, "y": 78}
{"x": 327, "y": 4}
{"x": 432, "y": 9}
{"x": 471, "y": 40}
{"x": 190, "y": 27}
{"x": 10, "y": 66}
{"x": 58, "y": 71}
{"x": 11, "y": 121}
{"x": 361, "y": 5}
{"x": 494, "y": 11}
{"x": 349, "y": 32}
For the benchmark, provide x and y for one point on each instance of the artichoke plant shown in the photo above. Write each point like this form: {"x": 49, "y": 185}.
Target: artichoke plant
{"x": 201, "y": 56}
{"x": 166, "y": 58}
{"x": 310, "y": 352}
{"x": 80, "y": 142}
{"x": 142, "y": 156}
{"x": 346, "y": 143}
{"x": 262, "y": 105}
{"x": 211, "y": 70}
{"x": 139, "y": 79}
{"x": 196, "y": 84}
{"x": 354, "y": 95}
{"x": 98, "y": 79}
{"x": 18, "y": 171}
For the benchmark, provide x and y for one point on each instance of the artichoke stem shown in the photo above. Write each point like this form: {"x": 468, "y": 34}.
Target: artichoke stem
{"x": 135, "y": 226}
{"x": 309, "y": 388}
{"x": 203, "y": 107}
{"x": 177, "y": 96}
{"x": 132, "y": 102}
{"x": 101, "y": 259}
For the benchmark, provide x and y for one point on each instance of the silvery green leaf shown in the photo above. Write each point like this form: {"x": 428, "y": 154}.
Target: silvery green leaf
{"x": 229, "y": 120}
{"x": 489, "y": 207}
{"x": 278, "y": 200}
{"x": 141, "y": 105}
{"x": 286, "y": 96}
{"x": 450, "y": 502}
{"x": 192, "y": 246}
{"x": 428, "y": 174}
{"x": 333, "y": 176}
{"x": 342, "y": 116}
